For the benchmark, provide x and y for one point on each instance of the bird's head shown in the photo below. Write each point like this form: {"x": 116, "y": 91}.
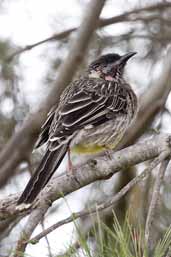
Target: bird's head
{"x": 109, "y": 66}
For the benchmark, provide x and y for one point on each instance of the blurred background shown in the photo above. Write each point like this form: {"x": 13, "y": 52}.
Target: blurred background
{"x": 28, "y": 72}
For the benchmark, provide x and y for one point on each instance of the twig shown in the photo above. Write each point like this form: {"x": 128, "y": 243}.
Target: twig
{"x": 154, "y": 203}
{"x": 105, "y": 204}
{"x": 125, "y": 17}
{"x": 57, "y": 36}
{"x": 46, "y": 238}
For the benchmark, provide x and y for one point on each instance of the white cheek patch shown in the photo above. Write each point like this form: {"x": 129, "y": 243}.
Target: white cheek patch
{"x": 94, "y": 74}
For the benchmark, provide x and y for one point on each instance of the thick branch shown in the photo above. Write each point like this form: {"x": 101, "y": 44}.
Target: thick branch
{"x": 101, "y": 206}
{"x": 90, "y": 172}
{"x": 85, "y": 173}
{"x": 99, "y": 168}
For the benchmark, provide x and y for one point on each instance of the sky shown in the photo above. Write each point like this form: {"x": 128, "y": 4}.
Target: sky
{"x": 27, "y": 22}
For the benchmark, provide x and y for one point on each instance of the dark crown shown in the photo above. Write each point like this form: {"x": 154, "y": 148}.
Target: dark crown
{"x": 105, "y": 59}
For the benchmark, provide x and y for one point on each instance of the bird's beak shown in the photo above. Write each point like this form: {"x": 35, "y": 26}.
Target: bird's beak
{"x": 126, "y": 57}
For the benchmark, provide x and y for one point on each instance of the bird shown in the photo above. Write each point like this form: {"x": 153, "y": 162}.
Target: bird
{"x": 92, "y": 116}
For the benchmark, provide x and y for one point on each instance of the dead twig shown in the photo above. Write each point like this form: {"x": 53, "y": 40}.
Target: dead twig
{"x": 154, "y": 203}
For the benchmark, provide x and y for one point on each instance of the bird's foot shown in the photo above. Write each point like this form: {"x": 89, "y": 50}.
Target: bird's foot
{"x": 71, "y": 172}
{"x": 71, "y": 169}
{"x": 72, "y": 175}
{"x": 109, "y": 154}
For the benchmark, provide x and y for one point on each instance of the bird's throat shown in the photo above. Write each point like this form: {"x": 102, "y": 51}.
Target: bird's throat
{"x": 109, "y": 78}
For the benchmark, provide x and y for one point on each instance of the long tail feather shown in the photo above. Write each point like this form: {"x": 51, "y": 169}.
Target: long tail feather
{"x": 43, "y": 173}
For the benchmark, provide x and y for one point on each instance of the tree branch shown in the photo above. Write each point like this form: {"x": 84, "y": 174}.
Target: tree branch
{"x": 55, "y": 37}
{"x": 89, "y": 171}
{"x": 93, "y": 170}
{"x": 132, "y": 16}
{"x": 103, "y": 205}
{"x": 154, "y": 203}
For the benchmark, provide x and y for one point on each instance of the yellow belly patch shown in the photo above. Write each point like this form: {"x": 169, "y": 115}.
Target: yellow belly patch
{"x": 87, "y": 149}
{"x": 91, "y": 149}
{"x": 94, "y": 148}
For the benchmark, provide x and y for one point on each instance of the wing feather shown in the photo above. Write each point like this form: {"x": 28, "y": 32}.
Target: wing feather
{"x": 90, "y": 106}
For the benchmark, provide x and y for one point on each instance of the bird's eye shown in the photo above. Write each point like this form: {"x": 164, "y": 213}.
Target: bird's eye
{"x": 97, "y": 68}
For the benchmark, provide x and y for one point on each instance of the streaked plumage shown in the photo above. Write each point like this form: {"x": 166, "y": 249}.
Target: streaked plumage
{"x": 93, "y": 115}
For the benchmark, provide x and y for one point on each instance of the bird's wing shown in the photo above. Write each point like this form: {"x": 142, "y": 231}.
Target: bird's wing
{"x": 44, "y": 134}
{"x": 90, "y": 106}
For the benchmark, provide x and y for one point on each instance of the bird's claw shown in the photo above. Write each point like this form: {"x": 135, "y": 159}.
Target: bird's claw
{"x": 109, "y": 154}
{"x": 73, "y": 177}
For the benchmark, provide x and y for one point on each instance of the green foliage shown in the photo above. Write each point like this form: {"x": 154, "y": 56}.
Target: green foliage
{"x": 119, "y": 241}
{"x": 163, "y": 246}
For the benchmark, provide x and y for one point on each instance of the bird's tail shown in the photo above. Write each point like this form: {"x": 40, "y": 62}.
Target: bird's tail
{"x": 43, "y": 173}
